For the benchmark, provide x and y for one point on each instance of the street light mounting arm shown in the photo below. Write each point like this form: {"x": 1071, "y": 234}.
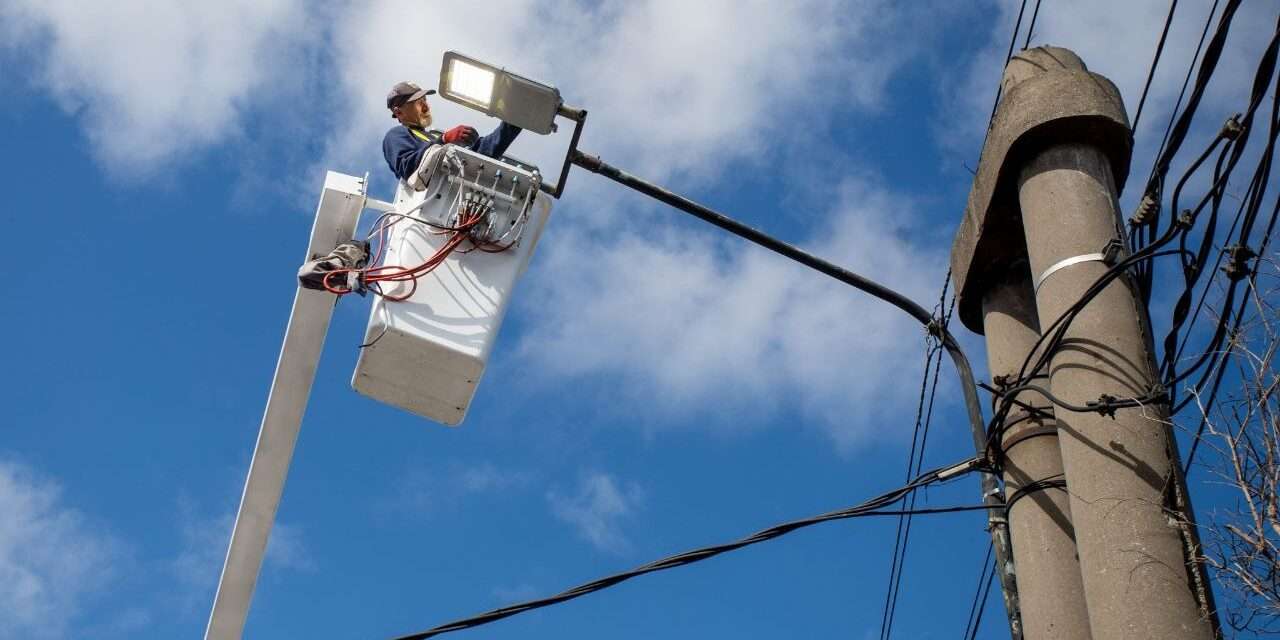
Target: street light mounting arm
{"x": 595, "y": 165}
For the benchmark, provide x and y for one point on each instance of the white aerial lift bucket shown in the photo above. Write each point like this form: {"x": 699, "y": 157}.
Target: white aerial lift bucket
{"x": 427, "y": 353}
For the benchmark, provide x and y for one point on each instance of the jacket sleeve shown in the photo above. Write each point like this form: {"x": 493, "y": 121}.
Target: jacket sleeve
{"x": 495, "y": 144}
{"x": 401, "y": 151}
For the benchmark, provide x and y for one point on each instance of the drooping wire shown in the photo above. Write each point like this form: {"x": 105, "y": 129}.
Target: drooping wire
{"x": 1249, "y": 206}
{"x": 1155, "y": 62}
{"x": 982, "y": 606}
{"x": 915, "y": 457}
{"x": 1142, "y": 274}
{"x": 872, "y": 507}
{"x": 1031, "y": 28}
{"x": 1013, "y": 40}
{"x": 985, "y": 577}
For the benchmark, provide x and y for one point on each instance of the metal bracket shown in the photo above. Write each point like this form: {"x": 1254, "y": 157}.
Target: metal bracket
{"x": 579, "y": 116}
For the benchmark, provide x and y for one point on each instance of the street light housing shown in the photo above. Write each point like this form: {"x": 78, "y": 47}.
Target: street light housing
{"x": 499, "y": 93}
{"x": 514, "y": 99}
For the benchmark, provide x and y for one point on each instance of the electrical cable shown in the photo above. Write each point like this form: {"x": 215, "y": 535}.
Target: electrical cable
{"x": 870, "y": 507}
{"x": 1013, "y": 40}
{"x": 1052, "y": 335}
{"x": 1141, "y": 260}
{"x": 982, "y": 606}
{"x": 1144, "y": 278}
{"x": 984, "y": 585}
{"x": 898, "y": 557}
{"x": 964, "y": 370}
{"x": 1204, "y": 418}
{"x": 1031, "y": 27}
{"x": 471, "y": 228}
{"x": 1177, "y": 131}
{"x": 1155, "y": 61}
{"x": 1180, "y": 225}
{"x": 915, "y": 458}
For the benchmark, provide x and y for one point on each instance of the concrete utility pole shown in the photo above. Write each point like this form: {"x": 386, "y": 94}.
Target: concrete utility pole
{"x": 1045, "y": 195}
{"x": 1044, "y": 546}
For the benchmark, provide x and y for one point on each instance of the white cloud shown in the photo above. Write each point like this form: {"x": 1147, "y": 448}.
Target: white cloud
{"x": 679, "y": 92}
{"x": 519, "y": 592}
{"x": 697, "y": 320}
{"x": 151, "y": 81}
{"x": 670, "y": 85}
{"x": 597, "y": 508}
{"x": 428, "y": 490}
{"x": 1118, "y": 40}
{"x": 486, "y": 477}
{"x": 51, "y": 558}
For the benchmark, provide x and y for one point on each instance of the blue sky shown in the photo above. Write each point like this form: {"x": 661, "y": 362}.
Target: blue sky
{"x": 658, "y": 386}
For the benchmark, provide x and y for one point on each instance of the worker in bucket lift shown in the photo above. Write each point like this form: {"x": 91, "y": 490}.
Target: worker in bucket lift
{"x": 404, "y": 146}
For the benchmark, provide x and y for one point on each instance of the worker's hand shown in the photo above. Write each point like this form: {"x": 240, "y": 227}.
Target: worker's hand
{"x": 461, "y": 134}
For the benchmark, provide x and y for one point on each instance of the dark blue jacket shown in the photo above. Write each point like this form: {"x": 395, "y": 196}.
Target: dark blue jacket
{"x": 403, "y": 150}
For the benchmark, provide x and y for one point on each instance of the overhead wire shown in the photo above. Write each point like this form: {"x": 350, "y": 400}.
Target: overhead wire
{"x": 1017, "y": 26}
{"x": 985, "y": 575}
{"x": 1031, "y": 28}
{"x": 915, "y": 457}
{"x": 1136, "y": 237}
{"x": 1229, "y": 144}
{"x": 870, "y": 507}
{"x": 1155, "y": 62}
{"x": 982, "y": 605}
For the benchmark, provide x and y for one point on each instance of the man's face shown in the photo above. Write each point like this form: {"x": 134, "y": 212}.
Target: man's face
{"x": 414, "y": 114}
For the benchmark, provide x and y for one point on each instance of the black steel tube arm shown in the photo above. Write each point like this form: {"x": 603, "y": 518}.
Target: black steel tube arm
{"x": 972, "y": 403}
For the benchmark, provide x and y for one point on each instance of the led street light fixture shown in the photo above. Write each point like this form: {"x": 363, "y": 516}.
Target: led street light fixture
{"x": 504, "y": 95}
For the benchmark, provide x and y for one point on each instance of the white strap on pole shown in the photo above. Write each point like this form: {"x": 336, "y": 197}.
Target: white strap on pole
{"x": 1067, "y": 262}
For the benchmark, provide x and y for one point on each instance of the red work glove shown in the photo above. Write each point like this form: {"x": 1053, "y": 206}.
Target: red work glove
{"x": 461, "y": 134}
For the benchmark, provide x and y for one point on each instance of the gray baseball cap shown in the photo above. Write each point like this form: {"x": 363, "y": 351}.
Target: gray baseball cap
{"x": 405, "y": 92}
